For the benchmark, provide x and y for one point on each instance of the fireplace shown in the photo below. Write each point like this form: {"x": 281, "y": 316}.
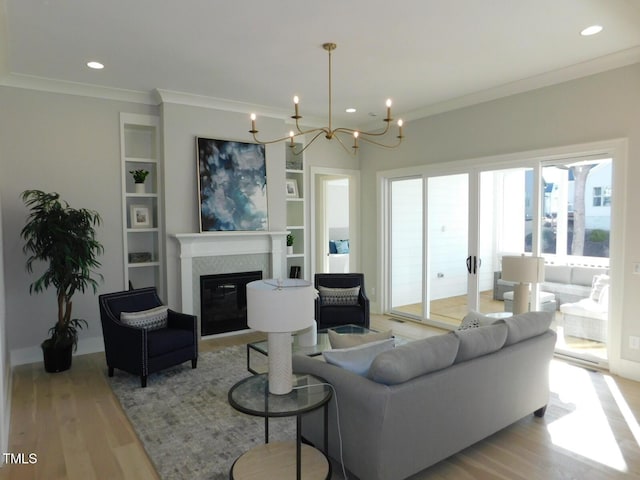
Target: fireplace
{"x": 223, "y": 301}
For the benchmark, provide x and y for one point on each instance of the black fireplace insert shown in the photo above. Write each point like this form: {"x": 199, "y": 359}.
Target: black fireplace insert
{"x": 223, "y": 301}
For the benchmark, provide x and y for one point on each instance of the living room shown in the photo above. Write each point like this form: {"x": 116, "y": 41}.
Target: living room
{"x": 64, "y": 137}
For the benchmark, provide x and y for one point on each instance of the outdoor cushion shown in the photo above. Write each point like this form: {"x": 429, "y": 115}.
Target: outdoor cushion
{"x": 557, "y": 273}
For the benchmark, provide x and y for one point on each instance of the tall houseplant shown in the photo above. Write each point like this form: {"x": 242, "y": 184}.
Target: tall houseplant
{"x": 65, "y": 239}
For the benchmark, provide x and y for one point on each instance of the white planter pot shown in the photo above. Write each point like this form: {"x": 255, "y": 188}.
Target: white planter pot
{"x": 140, "y": 188}
{"x": 290, "y": 250}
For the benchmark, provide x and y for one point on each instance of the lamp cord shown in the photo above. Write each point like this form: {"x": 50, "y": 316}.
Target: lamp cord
{"x": 335, "y": 396}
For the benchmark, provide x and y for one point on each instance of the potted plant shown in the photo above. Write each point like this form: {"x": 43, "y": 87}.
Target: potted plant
{"x": 65, "y": 239}
{"x": 290, "y": 239}
{"x": 139, "y": 176}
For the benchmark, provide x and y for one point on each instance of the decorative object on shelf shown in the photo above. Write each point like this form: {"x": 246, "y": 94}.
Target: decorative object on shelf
{"x": 292, "y": 188}
{"x": 294, "y": 163}
{"x": 328, "y": 131}
{"x": 139, "y": 176}
{"x": 54, "y": 233}
{"x": 524, "y": 270}
{"x": 290, "y": 239}
{"x": 280, "y": 307}
{"x": 232, "y": 185}
{"x": 140, "y": 257}
{"x": 140, "y": 216}
{"x": 295, "y": 271}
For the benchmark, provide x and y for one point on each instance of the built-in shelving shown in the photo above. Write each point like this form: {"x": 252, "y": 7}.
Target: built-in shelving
{"x": 296, "y": 211}
{"x": 141, "y": 210}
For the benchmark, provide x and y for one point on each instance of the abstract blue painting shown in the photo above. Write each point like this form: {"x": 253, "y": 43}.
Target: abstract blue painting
{"x": 232, "y": 185}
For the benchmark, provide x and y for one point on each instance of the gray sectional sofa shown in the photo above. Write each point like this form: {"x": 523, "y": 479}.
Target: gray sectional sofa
{"x": 426, "y": 400}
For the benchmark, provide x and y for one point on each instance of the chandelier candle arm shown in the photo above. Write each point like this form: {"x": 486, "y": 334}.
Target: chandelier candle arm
{"x": 330, "y": 132}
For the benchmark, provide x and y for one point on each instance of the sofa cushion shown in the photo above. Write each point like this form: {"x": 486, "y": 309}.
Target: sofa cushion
{"x": 475, "y": 342}
{"x": 584, "y": 275}
{"x": 527, "y": 325}
{"x": 557, "y": 273}
{"x": 357, "y": 359}
{"x": 339, "y": 296}
{"x": 586, "y": 308}
{"x": 414, "y": 359}
{"x": 166, "y": 340}
{"x": 151, "y": 319}
{"x": 347, "y": 340}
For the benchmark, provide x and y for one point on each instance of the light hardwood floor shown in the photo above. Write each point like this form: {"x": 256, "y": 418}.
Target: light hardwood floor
{"x": 77, "y": 429}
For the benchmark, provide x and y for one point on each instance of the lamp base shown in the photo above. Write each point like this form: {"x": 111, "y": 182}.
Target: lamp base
{"x": 309, "y": 336}
{"x": 280, "y": 370}
{"x": 521, "y": 298}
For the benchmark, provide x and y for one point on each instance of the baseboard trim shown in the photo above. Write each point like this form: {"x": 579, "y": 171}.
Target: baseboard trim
{"x": 23, "y": 356}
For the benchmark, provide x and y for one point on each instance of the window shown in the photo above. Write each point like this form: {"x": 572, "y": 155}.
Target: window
{"x": 601, "y": 196}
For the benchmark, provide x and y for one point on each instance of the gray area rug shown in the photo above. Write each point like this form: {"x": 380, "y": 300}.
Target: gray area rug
{"x": 185, "y": 422}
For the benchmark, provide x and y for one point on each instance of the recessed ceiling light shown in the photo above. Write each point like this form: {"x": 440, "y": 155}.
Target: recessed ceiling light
{"x": 95, "y": 65}
{"x": 350, "y": 110}
{"x": 592, "y": 30}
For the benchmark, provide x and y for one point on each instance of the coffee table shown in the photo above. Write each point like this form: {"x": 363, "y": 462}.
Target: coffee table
{"x": 257, "y": 352}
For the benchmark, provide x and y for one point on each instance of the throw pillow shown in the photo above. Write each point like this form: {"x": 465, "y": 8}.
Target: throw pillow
{"x": 342, "y": 246}
{"x": 414, "y": 359}
{"x": 339, "y": 296}
{"x": 357, "y": 359}
{"x": 469, "y": 322}
{"x": 476, "y": 319}
{"x": 527, "y": 325}
{"x": 598, "y": 284}
{"x": 152, "y": 319}
{"x": 480, "y": 341}
{"x": 347, "y": 340}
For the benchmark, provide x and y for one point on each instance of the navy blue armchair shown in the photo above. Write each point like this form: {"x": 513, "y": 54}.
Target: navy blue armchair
{"x": 142, "y": 351}
{"x": 332, "y": 314}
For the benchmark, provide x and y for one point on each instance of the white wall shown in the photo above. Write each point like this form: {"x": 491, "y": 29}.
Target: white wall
{"x": 181, "y": 125}
{"x": 71, "y": 145}
{"x": 595, "y": 108}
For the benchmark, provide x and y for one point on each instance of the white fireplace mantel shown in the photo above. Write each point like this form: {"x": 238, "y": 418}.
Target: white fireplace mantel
{"x": 211, "y": 244}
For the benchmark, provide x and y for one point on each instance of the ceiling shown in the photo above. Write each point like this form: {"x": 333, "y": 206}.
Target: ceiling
{"x": 427, "y": 55}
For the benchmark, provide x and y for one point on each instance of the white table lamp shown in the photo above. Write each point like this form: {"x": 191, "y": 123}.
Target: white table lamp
{"x": 524, "y": 270}
{"x": 279, "y": 307}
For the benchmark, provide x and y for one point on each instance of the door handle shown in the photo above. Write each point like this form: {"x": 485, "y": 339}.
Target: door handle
{"x": 473, "y": 264}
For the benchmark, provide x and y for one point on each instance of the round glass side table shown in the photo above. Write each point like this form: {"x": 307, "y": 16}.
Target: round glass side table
{"x": 276, "y": 460}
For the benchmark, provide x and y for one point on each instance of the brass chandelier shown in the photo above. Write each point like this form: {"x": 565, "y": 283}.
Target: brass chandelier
{"x": 328, "y": 131}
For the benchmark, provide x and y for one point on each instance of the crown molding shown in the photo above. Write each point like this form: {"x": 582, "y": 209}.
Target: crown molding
{"x": 158, "y": 96}
{"x": 42, "y": 84}
{"x": 194, "y": 100}
{"x": 619, "y": 59}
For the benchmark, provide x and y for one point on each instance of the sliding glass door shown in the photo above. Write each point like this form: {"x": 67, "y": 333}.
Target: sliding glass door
{"x": 406, "y": 241}
{"x": 436, "y": 253}
{"x": 448, "y": 234}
